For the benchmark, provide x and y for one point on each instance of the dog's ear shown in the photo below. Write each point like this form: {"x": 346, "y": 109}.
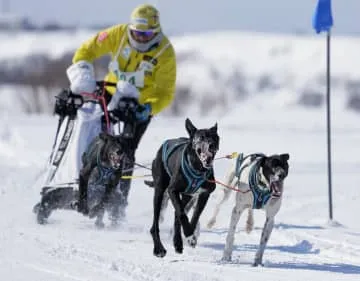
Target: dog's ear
{"x": 213, "y": 129}
{"x": 190, "y": 128}
{"x": 262, "y": 159}
{"x": 285, "y": 157}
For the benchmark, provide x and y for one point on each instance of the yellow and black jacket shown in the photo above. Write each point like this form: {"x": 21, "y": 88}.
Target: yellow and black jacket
{"x": 160, "y": 78}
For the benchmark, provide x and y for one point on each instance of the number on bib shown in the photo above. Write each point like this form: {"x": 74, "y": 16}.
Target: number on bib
{"x": 122, "y": 77}
{"x": 132, "y": 80}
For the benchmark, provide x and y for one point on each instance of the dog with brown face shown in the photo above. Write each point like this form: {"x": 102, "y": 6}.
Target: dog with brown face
{"x": 258, "y": 181}
{"x": 182, "y": 170}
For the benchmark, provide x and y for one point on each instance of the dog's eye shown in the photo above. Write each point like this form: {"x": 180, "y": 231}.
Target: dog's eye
{"x": 201, "y": 138}
{"x": 212, "y": 147}
{"x": 198, "y": 151}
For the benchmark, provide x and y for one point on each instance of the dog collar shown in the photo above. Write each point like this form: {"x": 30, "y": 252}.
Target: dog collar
{"x": 193, "y": 177}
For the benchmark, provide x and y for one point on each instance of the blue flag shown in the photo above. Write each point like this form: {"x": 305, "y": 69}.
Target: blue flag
{"x": 323, "y": 20}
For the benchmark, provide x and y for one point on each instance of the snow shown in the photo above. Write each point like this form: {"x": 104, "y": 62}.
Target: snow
{"x": 19, "y": 44}
{"x": 304, "y": 245}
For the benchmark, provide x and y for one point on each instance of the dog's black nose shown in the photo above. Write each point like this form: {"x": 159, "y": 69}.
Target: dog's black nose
{"x": 282, "y": 176}
{"x": 209, "y": 160}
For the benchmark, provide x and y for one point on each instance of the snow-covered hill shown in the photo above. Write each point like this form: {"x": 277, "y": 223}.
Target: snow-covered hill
{"x": 216, "y": 68}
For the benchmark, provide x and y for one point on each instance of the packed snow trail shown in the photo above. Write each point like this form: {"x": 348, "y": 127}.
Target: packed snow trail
{"x": 303, "y": 246}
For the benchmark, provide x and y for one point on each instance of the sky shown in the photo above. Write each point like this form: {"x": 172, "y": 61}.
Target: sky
{"x": 195, "y": 15}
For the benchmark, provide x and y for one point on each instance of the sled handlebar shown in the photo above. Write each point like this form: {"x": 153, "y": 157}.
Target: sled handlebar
{"x": 93, "y": 97}
{"x": 102, "y": 84}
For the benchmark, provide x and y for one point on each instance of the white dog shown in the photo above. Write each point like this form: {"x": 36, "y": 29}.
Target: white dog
{"x": 258, "y": 180}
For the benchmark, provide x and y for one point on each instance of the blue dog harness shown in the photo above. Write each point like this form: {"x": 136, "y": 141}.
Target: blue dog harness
{"x": 105, "y": 173}
{"x": 260, "y": 190}
{"x": 193, "y": 177}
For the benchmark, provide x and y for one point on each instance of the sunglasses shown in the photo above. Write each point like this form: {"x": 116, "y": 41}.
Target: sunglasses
{"x": 143, "y": 33}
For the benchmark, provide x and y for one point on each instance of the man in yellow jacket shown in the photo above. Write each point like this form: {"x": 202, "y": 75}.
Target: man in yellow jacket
{"x": 143, "y": 62}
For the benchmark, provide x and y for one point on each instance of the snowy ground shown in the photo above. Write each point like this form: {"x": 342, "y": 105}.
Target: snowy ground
{"x": 304, "y": 246}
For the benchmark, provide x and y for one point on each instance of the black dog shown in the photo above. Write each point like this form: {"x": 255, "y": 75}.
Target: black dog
{"x": 99, "y": 177}
{"x": 100, "y": 174}
{"x": 183, "y": 167}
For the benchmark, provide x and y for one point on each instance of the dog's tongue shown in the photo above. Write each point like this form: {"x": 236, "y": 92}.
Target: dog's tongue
{"x": 203, "y": 158}
{"x": 275, "y": 189}
{"x": 116, "y": 159}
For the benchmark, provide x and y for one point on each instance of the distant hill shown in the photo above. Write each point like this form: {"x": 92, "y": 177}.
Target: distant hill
{"x": 12, "y": 22}
{"x": 215, "y": 69}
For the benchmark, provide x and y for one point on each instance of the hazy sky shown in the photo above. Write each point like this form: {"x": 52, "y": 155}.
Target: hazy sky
{"x": 195, "y": 15}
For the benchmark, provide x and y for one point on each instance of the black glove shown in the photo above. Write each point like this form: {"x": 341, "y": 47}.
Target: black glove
{"x": 60, "y": 103}
{"x": 67, "y": 103}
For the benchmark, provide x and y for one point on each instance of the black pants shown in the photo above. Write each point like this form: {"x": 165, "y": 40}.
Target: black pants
{"x": 128, "y": 168}
{"x": 140, "y": 129}
{"x": 132, "y": 144}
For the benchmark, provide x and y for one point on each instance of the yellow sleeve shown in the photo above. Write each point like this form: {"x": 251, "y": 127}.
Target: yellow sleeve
{"x": 165, "y": 81}
{"x": 105, "y": 42}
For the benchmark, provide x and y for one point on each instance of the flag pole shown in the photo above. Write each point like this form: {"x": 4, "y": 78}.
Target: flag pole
{"x": 323, "y": 21}
{"x": 328, "y": 115}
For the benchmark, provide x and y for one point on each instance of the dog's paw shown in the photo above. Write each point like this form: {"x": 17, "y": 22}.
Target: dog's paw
{"x": 179, "y": 249}
{"x": 226, "y": 258}
{"x": 74, "y": 205}
{"x": 191, "y": 240}
{"x": 41, "y": 219}
{"x": 79, "y": 207}
{"x": 159, "y": 251}
{"x": 178, "y": 244}
{"x": 36, "y": 208}
{"x": 255, "y": 264}
{"x": 99, "y": 224}
{"x": 42, "y": 215}
{"x": 211, "y": 223}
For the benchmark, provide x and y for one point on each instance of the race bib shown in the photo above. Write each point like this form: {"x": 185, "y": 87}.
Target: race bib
{"x": 135, "y": 78}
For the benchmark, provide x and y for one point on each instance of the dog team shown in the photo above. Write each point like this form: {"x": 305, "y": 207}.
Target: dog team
{"x": 183, "y": 173}
{"x": 140, "y": 84}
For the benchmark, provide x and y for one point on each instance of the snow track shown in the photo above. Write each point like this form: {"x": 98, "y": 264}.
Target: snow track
{"x": 303, "y": 246}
